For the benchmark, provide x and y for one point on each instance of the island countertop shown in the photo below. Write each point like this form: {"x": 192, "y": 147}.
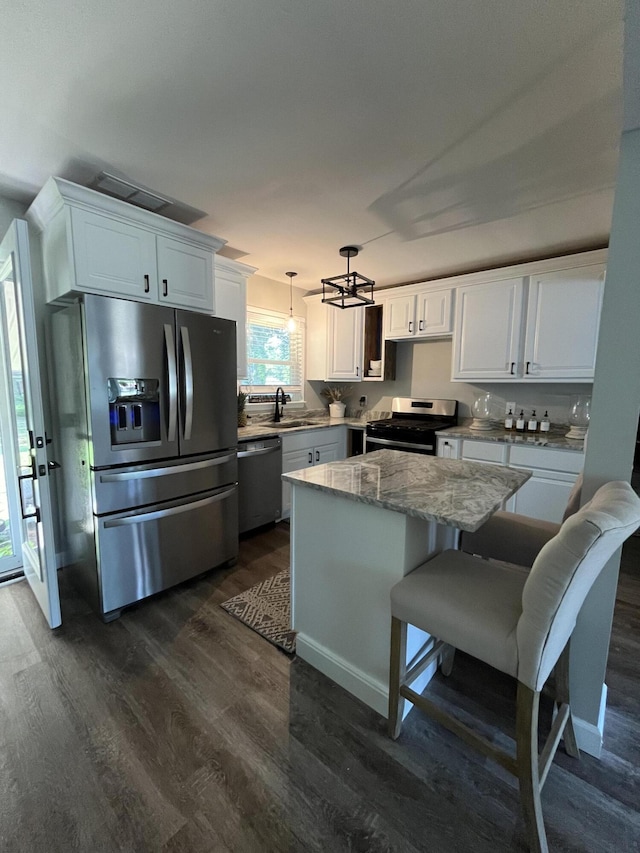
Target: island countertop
{"x": 448, "y": 491}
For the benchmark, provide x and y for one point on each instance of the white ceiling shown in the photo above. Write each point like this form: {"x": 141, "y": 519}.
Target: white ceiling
{"x": 439, "y": 135}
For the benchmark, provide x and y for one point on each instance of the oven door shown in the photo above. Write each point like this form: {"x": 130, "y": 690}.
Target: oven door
{"x": 376, "y": 443}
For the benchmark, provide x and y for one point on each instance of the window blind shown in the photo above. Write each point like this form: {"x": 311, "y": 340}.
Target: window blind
{"x": 275, "y": 356}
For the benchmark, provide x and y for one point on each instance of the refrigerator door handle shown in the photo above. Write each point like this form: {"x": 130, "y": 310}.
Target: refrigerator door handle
{"x": 172, "y": 373}
{"x": 163, "y": 472}
{"x": 188, "y": 381}
{"x": 165, "y": 513}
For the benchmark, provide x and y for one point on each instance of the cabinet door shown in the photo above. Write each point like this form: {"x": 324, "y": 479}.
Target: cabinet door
{"x": 185, "y": 275}
{"x": 327, "y": 453}
{"x": 400, "y": 317}
{"x": 434, "y": 313}
{"x": 231, "y": 303}
{"x": 563, "y": 318}
{"x": 488, "y": 330}
{"x": 113, "y": 257}
{"x": 293, "y": 460}
{"x": 345, "y": 343}
{"x": 543, "y": 496}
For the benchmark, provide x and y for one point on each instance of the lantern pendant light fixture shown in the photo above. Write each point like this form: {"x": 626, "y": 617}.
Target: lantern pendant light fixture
{"x": 350, "y": 290}
{"x": 291, "y": 323}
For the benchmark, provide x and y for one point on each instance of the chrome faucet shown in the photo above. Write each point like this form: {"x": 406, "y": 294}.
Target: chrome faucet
{"x": 278, "y": 412}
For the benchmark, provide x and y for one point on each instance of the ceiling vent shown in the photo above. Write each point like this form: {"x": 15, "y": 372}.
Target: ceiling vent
{"x": 122, "y": 188}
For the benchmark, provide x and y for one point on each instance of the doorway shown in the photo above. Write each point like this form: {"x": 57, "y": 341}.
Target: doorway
{"x": 14, "y": 436}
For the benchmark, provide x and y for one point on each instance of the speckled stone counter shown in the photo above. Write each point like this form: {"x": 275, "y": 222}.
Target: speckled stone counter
{"x": 264, "y": 429}
{"x": 447, "y": 491}
{"x": 554, "y": 438}
{"x": 357, "y": 528}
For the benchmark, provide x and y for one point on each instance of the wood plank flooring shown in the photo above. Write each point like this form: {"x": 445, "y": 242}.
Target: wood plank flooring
{"x": 178, "y": 729}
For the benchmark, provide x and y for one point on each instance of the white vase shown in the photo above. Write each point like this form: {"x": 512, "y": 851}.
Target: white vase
{"x": 337, "y": 410}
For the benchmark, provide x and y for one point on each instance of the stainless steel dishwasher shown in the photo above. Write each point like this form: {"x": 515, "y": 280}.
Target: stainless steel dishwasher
{"x": 259, "y": 484}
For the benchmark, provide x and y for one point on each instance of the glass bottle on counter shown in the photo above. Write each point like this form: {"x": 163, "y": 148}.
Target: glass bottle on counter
{"x": 545, "y": 423}
{"x": 532, "y": 423}
{"x": 508, "y": 421}
{"x": 520, "y": 422}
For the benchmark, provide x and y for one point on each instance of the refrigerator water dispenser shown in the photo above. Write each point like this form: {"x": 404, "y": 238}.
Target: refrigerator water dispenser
{"x": 134, "y": 410}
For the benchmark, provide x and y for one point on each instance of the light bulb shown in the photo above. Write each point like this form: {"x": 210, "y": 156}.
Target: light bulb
{"x": 291, "y": 324}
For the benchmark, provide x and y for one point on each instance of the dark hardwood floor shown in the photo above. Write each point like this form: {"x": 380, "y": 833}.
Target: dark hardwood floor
{"x": 176, "y": 728}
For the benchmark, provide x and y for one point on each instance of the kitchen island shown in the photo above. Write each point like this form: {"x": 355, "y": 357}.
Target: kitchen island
{"x": 358, "y": 527}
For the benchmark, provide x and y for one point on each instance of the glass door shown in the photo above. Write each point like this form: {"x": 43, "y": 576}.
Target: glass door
{"x": 25, "y": 468}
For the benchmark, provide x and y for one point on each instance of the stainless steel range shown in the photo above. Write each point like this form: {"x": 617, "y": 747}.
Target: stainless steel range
{"x": 412, "y": 425}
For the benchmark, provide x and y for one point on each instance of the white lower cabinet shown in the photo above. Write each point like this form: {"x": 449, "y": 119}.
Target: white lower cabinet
{"x": 308, "y": 448}
{"x": 546, "y": 493}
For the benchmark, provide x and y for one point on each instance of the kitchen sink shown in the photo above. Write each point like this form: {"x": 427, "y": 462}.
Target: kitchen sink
{"x": 291, "y": 424}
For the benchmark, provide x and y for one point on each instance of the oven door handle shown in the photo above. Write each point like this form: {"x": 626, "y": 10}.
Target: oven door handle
{"x": 399, "y": 445}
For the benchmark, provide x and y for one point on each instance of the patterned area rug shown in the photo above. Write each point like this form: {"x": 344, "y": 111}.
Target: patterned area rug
{"x": 266, "y": 608}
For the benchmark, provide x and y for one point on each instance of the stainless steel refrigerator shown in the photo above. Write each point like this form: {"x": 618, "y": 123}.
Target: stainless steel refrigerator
{"x": 144, "y": 400}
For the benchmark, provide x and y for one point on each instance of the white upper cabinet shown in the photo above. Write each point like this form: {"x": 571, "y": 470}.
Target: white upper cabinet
{"x": 487, "y": 330}
{"x": 334, "y": 342}
{"x": 185, "y": 275}
{"x": 563, "y": 318}
{"x": 541, "y": 326}
{"x": 112, "y": 257}
{"x": 345, "y": 340}
{"x": 97, "y": 244}
{"x": 418, "y": 314}
{"x": 231, "y": 302}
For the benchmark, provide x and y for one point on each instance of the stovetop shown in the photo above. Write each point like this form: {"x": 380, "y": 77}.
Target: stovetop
{"x": 417, "y": 415}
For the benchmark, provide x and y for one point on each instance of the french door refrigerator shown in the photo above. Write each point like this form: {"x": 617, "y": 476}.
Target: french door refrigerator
{"x": 146, "y": 427}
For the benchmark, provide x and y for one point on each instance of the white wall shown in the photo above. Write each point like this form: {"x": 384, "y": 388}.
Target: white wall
{"x": 423, "y": 369}
{"x": 9, "y": 210}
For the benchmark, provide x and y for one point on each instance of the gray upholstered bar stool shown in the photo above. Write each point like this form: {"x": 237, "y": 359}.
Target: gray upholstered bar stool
{"x": 516, "y": 620}
{"x": 517, "y": 538}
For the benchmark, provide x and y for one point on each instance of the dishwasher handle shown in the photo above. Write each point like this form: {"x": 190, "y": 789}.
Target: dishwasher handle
{"x": 244, "y": 454}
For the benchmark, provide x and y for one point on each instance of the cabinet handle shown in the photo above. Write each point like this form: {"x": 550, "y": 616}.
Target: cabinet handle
{"x": 421, "y": 326}
{"x": 527, "y": 368}
{"x": 317, "y": 455}
{"x": 513, "y": 368}
{"x": 165, "y": 287}
{"x": 410, "y": 326}
{"x": 146, "y": 284}
{"x": 357, "y": 371}
{"x": 310, "y": 457}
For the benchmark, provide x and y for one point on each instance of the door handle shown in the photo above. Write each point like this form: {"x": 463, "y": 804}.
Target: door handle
{"x": 513, "y": 368}
{"x": 527, "y": 368}
{"x": 410, "y": 326}
{"x": 166, "y": 513}
{"x": 172, "y": 375}
{"x": 53, "y": 465}
{"x": 310, "y": 457}
{"x": 165, "y": 287}
{"x": 188, "y": 381}
{"x": 146, "y": 283}
{"x": 421, "y": 326}
{"x": 317, "y": 455}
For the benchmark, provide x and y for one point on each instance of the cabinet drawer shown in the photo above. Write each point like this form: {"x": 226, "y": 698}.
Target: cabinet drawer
{"x": 548, "y": 458}
{"x": 485, "y": 451}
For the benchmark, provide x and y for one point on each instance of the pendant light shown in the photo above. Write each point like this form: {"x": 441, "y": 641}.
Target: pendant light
{"x": 291, "y": 323}
{"x": 351, "y": 290}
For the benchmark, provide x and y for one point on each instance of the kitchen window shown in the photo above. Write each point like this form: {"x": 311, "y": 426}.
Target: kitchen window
{"x": 275, "y": 356}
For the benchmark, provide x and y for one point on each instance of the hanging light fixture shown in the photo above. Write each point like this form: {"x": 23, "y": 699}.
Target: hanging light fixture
{"x": 291, "y": 323}
{"x": 350, "y": 290}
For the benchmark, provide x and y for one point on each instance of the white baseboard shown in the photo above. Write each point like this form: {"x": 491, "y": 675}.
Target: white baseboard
{"x": 372, "y": 692}
{"x": 588, "y": 735}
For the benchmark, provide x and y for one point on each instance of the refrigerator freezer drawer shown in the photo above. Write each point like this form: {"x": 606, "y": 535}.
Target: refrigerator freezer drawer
{"x": 140, "y": 485}
{"x": 144, "y": 551}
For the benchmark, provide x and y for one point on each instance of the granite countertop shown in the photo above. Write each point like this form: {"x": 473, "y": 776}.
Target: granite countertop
{"x": 448, "y": 491}
{"x": 268, "y": 428}
{"x": 555, "y": 438}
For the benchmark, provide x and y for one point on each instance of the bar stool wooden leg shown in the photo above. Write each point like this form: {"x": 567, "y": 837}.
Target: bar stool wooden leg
{"x": 528, "y": 702}
{"x": 397, "y": 671}
{"x": 562, "y": 697}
